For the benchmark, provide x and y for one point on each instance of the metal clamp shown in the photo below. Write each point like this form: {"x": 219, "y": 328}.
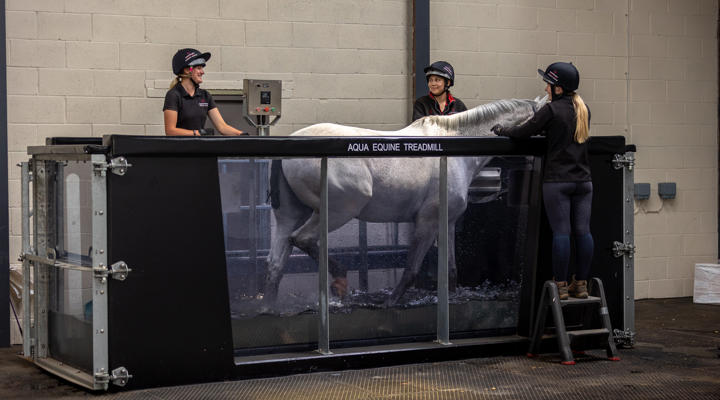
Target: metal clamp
{"x": 620, "y": 249}
{"x": 118, "y": 270}
{"x": 118, "y": 376}
{"x": 623, "y": 160}
{"x": 117, "y": 166}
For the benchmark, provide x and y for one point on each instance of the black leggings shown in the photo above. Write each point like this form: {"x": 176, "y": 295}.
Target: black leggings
{"x": 568, "y": 206}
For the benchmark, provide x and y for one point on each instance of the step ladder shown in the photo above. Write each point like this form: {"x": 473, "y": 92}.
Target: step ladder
{"x": 550, "y": 298}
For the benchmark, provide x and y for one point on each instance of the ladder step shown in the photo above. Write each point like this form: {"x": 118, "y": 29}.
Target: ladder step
{"x": 588, "y": 332}
{"x": 576, "y": 302}
{"x": 579, "y": 333}
{"x": 577, "y": 339}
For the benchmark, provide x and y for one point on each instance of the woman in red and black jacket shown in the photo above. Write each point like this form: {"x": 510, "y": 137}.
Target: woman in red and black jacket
{"x": 440, "y": 77}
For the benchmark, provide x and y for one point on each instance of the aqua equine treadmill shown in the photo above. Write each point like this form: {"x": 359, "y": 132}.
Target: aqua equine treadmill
{"x": 148, "y": 259}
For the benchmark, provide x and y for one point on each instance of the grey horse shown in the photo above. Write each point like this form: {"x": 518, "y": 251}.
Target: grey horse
{"x": 381, "y": 190}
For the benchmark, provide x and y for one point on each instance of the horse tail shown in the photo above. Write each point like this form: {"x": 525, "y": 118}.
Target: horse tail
{"x": 280, "y": 187}
{"x": 276, "y": 175}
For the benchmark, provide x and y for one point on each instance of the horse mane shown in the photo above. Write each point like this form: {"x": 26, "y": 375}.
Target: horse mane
{"x": 472, "y": 121}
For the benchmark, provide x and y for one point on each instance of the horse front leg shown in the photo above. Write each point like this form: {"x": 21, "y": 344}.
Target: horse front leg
{"x": 423, "y": 238}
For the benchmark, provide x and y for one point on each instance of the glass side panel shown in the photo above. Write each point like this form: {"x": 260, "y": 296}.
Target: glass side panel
{"x": 74, "y": 219}
{"x": 491, "y": 249}
{"x": 380, "y": 222}
{"x": 70, "y": 332}
{"x": 373, "y": 249}
{"x": 263, "y": 321}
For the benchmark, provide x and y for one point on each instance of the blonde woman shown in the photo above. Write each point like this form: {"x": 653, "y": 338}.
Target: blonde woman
{"x": 567, "y": 184}
{"x": 187, "y": 106}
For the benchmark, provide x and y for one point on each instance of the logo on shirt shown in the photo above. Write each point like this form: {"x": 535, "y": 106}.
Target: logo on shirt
{"x": 203, "y": 103}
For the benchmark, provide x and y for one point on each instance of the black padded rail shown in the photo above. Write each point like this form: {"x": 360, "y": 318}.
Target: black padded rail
{"x": 279, "y": 146}
{"x": 73, "y": 140}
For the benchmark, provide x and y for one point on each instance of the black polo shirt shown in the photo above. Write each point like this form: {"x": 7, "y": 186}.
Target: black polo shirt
{"x": 192, "y": 110}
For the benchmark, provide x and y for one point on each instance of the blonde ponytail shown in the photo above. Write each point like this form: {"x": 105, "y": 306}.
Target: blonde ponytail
{"x": 582, "y": 129}
{"x": 177, "y": 79}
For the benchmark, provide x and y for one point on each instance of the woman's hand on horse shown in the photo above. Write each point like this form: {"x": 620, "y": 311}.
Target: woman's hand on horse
{"x": 497, "y": 129}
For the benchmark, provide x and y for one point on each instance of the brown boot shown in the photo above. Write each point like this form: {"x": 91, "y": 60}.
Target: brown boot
{"x": 562, "y": 289}
{"x": 578, "y": 289}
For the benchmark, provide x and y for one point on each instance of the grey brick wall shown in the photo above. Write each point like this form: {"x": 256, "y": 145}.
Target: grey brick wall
{"x": 648, "y": 67}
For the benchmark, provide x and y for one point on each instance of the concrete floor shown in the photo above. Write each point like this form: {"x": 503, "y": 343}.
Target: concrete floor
{"x": 676, "y": 356}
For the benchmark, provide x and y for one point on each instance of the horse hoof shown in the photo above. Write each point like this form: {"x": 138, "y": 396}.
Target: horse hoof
{"x": 390, "y": 302}
{"x": 339, "y": 287}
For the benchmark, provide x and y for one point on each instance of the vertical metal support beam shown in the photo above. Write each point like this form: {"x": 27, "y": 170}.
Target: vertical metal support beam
{"x": 252, "y": 224}
{"x": 60, "y": 194}
{"x": 443, "y": 306}
{"x": 628, "y": 238}
{"x": 324, "y": 310}
{"x": 4, "y": 231}
{"x": 25, "y": 224}
{"x": 421, "y": 45}
{"x": 42, "y": 176}
{"x": 98, "y": 188}
{"x": 363, "y": 245}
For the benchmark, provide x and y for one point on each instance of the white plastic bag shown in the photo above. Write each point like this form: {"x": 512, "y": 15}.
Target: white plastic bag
{"x": 707, "y": 284}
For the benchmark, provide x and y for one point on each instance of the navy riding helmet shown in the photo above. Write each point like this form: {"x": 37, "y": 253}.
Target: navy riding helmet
{"x": 561, "y": 74}
{"x": 188, "y": 58}
{"x": 442, "y": 69}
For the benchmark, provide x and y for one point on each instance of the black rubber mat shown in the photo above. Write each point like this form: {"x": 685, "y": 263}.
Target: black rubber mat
{"x": 637, "y": 376}
{"x": 677, "y": 356}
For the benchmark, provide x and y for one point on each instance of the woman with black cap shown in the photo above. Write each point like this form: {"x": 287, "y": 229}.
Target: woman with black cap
{"x": 567, "y": 184}
{"x": 187, "y": 106}
{"x": 440, "y": 76}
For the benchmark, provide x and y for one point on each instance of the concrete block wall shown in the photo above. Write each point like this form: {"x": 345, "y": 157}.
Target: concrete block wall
{"x": 648, "y": 67}
{"x": 90, "y": 68}
{"x": 673, "y": 100}
{"x": 648, "y": 71}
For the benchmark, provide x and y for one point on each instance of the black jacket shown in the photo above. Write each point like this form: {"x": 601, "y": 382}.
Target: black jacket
{"x": 427, "y": 105}
{"x": 566, "y": 160}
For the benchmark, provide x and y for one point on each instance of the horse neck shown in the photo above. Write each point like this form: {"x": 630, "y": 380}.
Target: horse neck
{"x": 479, "y": 120}
{"x": 473, "y": 164}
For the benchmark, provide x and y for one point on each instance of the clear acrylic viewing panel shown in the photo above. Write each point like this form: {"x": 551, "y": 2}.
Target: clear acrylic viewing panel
{"x": 490, "y": 238}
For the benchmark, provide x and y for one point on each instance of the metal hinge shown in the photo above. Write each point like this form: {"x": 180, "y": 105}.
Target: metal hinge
{"x": 624, "y": 338}
{"x": 620, "y": 249}
{"x": 117, "y": 166}
{"x": 623, "y": 160}
{"x": 118, "y": 271}
{"x": 118, "y": 376}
